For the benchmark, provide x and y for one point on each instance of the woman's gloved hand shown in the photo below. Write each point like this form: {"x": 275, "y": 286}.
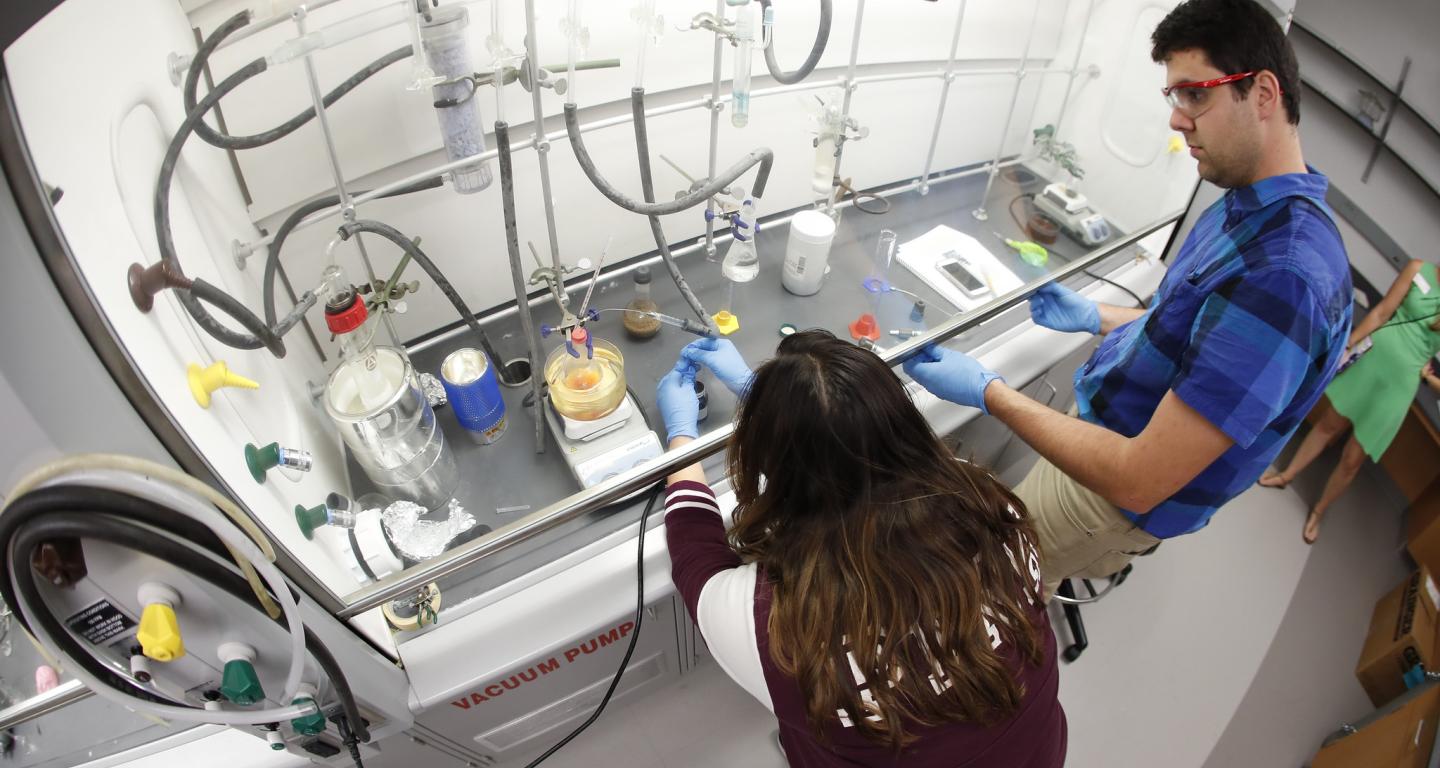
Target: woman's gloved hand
{"x": 723, "y": 360}
{"x": 1059, "y": 308}
{"x": 950, "y": 375}
{"x": 679, "y": 406}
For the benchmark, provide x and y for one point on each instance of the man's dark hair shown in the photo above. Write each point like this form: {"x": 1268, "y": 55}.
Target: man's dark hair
{"x": 1237, "y": 36}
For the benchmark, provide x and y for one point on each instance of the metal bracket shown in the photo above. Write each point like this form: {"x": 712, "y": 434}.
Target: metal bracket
{"x": 1389, "y": 117}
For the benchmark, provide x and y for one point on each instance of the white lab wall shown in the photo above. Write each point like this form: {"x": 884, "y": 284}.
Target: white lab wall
{"x": 104, "y": 151}
{"x": 1379, "y": 36}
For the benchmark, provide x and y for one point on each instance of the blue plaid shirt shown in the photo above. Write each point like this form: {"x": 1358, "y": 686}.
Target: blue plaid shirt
{"x": 1248, "y": 327}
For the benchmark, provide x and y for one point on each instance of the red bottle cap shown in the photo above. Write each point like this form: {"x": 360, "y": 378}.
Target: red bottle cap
{"x": 864, "y": 328}
{"x": 579, "y": 335}
{"x": 348, "y": 319}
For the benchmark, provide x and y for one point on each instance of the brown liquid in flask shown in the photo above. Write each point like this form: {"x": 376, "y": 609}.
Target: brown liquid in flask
{"x": 637, "y": 325}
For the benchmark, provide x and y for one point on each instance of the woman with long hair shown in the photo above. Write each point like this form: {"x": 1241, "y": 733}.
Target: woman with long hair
{"x": 1386, "y": 358}
{"x": 881, "y": 597}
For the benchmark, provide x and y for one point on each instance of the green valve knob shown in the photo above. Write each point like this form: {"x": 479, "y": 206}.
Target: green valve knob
{"x": 310, "y": 725}
{"x": 240, "y": 684}
{"x": 262, "y": 460}
{"x": 310, "y": 519}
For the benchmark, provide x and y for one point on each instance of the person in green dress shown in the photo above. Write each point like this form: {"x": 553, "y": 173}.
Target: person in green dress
{"x": 1387, "y": 356}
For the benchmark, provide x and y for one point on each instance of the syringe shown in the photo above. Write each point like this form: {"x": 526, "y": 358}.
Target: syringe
{"x": 684, "y": 324}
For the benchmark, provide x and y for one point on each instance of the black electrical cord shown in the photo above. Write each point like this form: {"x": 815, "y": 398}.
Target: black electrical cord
{"x": 418, "y": 256}
{"x": 822, "y": 36}
{"x": 1031, "y": 196}
{"x": 634, "y": 635}
{"x": 1138, "y": 300}
{"x": 143, "y": 526}
{"x": 272, "y": 252}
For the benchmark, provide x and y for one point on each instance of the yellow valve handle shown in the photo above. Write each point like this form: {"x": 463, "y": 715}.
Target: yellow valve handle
{"x": 159, "y": 633}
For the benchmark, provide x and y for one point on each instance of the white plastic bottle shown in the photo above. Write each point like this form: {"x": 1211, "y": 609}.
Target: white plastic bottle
{"x": 807, "y": 252}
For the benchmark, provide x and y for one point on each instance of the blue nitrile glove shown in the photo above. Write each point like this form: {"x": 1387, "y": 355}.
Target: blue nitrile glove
{"x": 950, "y": 375}
{"x": 1061, "y": 309}
{"x": 679, "y": 406}
{"x": 723, "y": 360}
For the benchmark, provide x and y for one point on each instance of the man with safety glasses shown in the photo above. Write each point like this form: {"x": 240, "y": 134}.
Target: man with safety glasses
{"x": 1184, "y": 405}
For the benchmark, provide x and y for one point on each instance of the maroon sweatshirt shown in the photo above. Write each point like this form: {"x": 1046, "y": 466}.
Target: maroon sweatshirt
{"x": 730, "y": 602}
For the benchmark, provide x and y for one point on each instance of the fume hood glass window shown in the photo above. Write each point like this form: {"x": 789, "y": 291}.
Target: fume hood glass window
{"x": 398, "y": 324}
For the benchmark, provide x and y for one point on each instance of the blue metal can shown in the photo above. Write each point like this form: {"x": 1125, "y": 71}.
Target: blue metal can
{"x": 474, "y": 391}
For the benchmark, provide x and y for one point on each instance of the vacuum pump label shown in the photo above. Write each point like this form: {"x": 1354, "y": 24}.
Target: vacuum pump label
{"x": 100, "y": 623}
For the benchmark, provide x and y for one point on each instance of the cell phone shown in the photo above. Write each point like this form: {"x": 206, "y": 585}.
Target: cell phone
{"x": 962, "y": 275}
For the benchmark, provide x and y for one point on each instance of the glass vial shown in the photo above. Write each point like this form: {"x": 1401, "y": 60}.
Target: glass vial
{"x": 637, "y": 324}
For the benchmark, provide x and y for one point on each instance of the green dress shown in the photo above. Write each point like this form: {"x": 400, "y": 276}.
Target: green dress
{"x": 1375, "y": 392}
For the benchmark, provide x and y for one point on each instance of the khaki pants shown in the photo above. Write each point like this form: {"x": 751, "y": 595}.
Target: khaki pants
{"x": 1081, "y": 534}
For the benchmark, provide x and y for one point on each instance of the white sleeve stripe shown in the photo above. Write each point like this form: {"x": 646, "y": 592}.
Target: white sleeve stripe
{"x": 727, "y": 621}
{"x": 711, "y": 508}
{"x": 689, "y": 494}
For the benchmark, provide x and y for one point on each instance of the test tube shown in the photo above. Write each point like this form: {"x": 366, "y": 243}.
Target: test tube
{"x": 740, "y": 84}
{"x": 449, "y": 54}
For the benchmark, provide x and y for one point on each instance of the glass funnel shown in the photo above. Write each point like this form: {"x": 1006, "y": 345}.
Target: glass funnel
{"x": 587, "y": 387}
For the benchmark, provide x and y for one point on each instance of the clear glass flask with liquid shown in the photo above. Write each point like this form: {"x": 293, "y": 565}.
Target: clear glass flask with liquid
{"x": 742, "y": 262}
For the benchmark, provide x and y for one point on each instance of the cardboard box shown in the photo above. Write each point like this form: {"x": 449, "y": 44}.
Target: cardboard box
{"x": 1402, "y": 634}
{"x": 1422, "y": 537}
{"x": 1401, "y": 739}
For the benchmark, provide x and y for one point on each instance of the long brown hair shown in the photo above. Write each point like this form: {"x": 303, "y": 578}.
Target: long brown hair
{"x": 880, "y": 545}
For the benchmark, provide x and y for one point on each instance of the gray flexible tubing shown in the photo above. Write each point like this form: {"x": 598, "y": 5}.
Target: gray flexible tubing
{"x": 418, "y": 256}
{"x": 822, "y": 36}
{"x": 522, "y": 299}
{"x": 215, "y": 138}
{"x": 647, "y": 188}
{"x": 272, "y": 253}
{"x": 260, "y": 334}
{"x": 761, "y": 156}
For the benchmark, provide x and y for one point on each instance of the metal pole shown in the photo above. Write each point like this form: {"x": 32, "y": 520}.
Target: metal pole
{"x": 850, "y": 85}
{"x": 1074, "y": 67}
{"x": 714, "y": 106}
{"x": 619, "y": 487}
{"x": 980, "y": 213}
{"x": 517, "y": 280}
{"x": 542, "y": 144}
{"x": 944, "y": 96}
{"x": 347, "y": 206}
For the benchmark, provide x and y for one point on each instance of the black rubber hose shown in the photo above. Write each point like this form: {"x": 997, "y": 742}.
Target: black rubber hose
{"x": 762, "y": 157}
{"x": 84, "y": 525}
{"x": 272, "y": 252}
{"x": 130, "y": 535}
{"x": 61, "y": 498}
{"x": 517, "y": 279}
{"x": 203, "y": 51}
{"x": 225, "y": 141}
{"x": 254, "y": 340}
{"x": 647, "y": 188}
{"x": 822, "y": 36}
{"x": 418, "y": 256}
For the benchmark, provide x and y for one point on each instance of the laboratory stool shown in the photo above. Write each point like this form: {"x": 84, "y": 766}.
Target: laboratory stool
{"x": 1070, "y": 603}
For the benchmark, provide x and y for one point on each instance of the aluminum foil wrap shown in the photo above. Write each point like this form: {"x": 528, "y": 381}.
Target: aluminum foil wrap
{"x": 434, "y": 390}
{"x": 418, "y": 538}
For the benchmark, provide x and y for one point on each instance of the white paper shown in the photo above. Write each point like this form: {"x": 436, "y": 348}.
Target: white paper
{"x": 924, "y": 252}
{"x": 1421, "y": 283}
